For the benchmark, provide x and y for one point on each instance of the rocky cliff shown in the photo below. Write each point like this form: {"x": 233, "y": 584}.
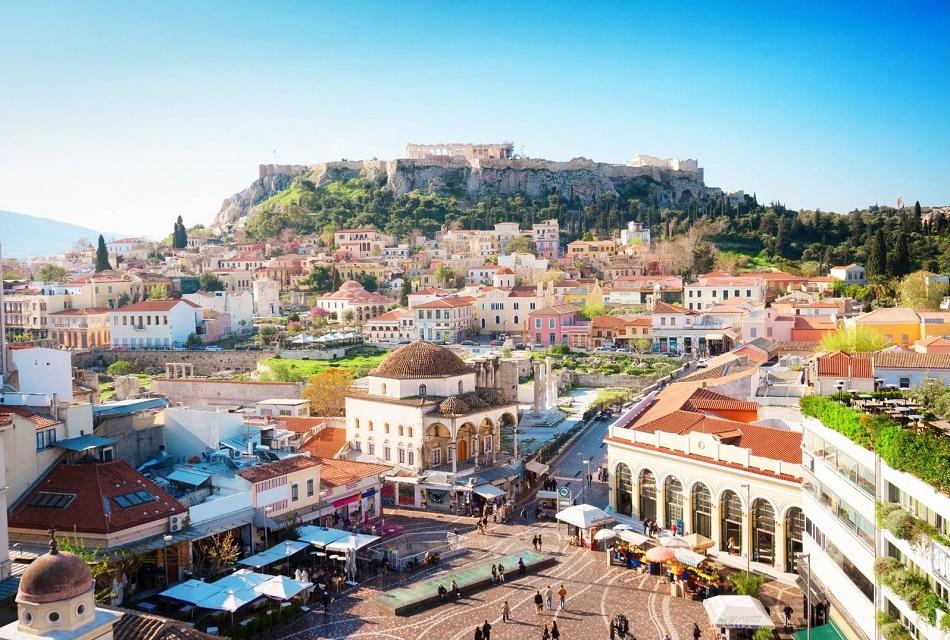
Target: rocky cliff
{"x": 580, "y": 178}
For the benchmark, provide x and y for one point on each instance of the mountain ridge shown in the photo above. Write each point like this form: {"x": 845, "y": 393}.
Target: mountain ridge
{"x": 25, "y": 236}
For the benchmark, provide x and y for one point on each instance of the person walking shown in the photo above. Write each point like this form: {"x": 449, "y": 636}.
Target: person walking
{"x": 788, "y": 616}
{"x": 524, "y": 516}
{"x": 549, "y": 597}
{"x": 555, "y": 632}
{"x": 696, "y": 632}
{"x": 486, "y": 631}
{"x": 501, "y": 574}
{"x": 534, "y": 542}
{"x": 537, "y": 603}
{"x": 545, "y": 634}
{"x": 325, "y": 600}
{"x": 561, "y": 597}
{"x": 539, "y": 542}
{"x": 505, "y": 612}
{"x": 494, "y": 573}
{"x": 478, "y": 633}
{"x": 456, "y": 592}
{"x": 522, "y": 570}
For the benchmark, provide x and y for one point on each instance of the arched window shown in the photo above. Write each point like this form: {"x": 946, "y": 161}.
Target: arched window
{"x": 794, "y": 525}
{"x": 516, "y": 319}
{"x": 624, "y": 483}
{"x": 369, "y": 425}
{"x": 356, "y": 423}
{"x": 385, "y": 427}
{"x": 702, "y": 510}
{"x": 673, "y": 501}
{"x": 730, "y": 507}
{"x": 763, "y": 526}
{"x": 460, "y": 386}
{"x": 647, "y": 495}
{"x": 384, "y": 388}
{"x": 422, "y": 389}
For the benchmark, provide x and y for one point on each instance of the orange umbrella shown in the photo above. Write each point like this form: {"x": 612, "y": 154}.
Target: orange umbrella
{"x": 660, "y": 554}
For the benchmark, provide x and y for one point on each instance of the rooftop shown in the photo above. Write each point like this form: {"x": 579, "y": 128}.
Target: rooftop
{"x": 421, "y": 360}
{"x": 269, "y": 470}
{"x": 154, "y": 305}
{"x": 326, "y": 444}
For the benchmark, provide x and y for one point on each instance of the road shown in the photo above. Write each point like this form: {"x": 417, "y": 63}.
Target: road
{"x": 571, "y": 468}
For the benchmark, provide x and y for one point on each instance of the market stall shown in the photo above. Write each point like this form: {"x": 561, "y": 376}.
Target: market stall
{"x": 737, "y": 617}
{"x": 583, "y": 522}
{"x": 547, "y": 504}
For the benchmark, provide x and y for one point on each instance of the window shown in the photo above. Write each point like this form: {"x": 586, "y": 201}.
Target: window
{"x": 387, "y": 453}
{"x": 369, "y": 425}
{"x": 412, "y": 458}
{"x": 385, "y": 427}
{"x": 50, "y": 500}
{"x": 516, "y": 319}
{"x": 436, "y": 457}
{"x": 133, "y": 499}
{"x": 551, "y": 323}
{"x": 905, "y": 339}
{"x": 768, "y": 332}
{"x": 310, "y": 488}
{"x": 383, "y": 389}
{"x": 663, "y": 321}
{"x": 372, "y": 448}
{"x": 409, "y": 431}
{"x": 905, "y": 383}
{"x": 537, "y": 323}
{"x": 402, "y": 456}
{"x": 45, "y": 439}
{"x": 753, "y": 332}
{"x": 356, "y": 423}
{"x": 748, "y": 293}
{"x": 294, "y": 492}
{"x": 487, "y": 441}
{"x": 422, "y": 389}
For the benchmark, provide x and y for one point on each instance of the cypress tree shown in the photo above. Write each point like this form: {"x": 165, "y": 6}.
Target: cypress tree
{"x": 917, "y": 215}
{"x": 877, "y": 255}
{"x": 102, "y": 256}
{"x": 901, "y": 263}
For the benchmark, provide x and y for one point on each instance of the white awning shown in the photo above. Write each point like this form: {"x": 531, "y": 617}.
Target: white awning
{"x": 354, "y": 541}
{"x": 632, "y": 537}
{"x": 320, "y": 536}
{"x": 584, "y": 516}
{"x": 191, "y": 591}
{"x": 536, "y": 467}
{"x": 547, "y": 495}
{"x": 282, "y": 587}
{"x": 488, "y": 491}
{"x": 686, "y": 556}
{"x": 240, "y": 580}
{"x": 713, "y": 336}
{"x": 275, "y": 554}
{"x": 737, "y": 612}
{"x": 229, "y": 600}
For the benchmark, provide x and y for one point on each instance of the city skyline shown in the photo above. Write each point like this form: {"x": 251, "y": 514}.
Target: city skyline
{"x": 123, "y": 117}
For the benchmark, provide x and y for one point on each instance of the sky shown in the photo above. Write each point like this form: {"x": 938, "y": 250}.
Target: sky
{"x": 121, "y": 116}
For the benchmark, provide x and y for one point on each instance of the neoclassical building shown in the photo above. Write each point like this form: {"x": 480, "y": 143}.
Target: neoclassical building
{"x": 424, "y": 409}
{"x": 694, "y": 457}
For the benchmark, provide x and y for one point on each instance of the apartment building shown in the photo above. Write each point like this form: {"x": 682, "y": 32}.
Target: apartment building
{"x": 154, "y": 324}
{"x": 80, "y": 328}
{"x": 546, "y": 236}
{"x": 448, "y": 319}
{"x": 360, "y": 244}
{"x": 715, "y": 288}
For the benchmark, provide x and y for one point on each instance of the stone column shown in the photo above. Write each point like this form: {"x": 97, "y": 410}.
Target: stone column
{"x": 716, "y": 528}
{"x": 538, "y": 383}
{"x": 687, "y": 512}
{"x": 661, "y": 506}
{"x": 475, "y": 443}
{"x": 455, "y": 456}
{"x": 781, "y": 558}
{"x": 495, "y": 443}
{"x": 635, "y": 498}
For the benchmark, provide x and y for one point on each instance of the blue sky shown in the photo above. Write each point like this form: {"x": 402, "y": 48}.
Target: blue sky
{"x": 123, "y": 115}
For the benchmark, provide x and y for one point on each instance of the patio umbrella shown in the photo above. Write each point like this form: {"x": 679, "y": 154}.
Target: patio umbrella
{"x": 623, "y": 527}
{"x": 282, "y": 587}
{"x": 737, "y": 612}
{"x": 660, "y": 554}
{"x": 698, "y": 542}
{"x": 605, "y": 534}
{"x": 674, "y": 542}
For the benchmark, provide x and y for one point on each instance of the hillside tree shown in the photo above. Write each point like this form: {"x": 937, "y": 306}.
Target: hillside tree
{"x": 876, "y": 264}
{"x": 102, "y": 256}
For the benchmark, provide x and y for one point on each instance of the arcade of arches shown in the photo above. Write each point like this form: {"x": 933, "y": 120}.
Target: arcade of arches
{"x": 774, "y": 537}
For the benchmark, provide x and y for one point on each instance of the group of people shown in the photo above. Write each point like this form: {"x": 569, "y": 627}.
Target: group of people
{"x": 652, "y": 528}
{"x": 455, "y": 591}
{"x": 536, "y": 542}
{"x": 548, "y": 599}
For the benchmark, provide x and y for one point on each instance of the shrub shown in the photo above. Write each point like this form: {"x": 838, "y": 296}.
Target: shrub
{"x": 901, "y": 524}
{"x": 834, "y": 415}
{"x": 945, "y": 622}
{"x": 748, "y": 584}
{"x": 120, "y": 368}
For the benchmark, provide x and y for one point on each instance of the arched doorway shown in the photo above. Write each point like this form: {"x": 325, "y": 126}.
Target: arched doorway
{"x": 702, "y": 510}
{"x": 794, "y": 525}
{"x": 763, "y": 526}
{"x": 461, "y": 448}
{"x": 624, "y": 482}
{"x": 730, "y": 506}
{"x": 673, "y": 500}
{"x": 647, "y": 495}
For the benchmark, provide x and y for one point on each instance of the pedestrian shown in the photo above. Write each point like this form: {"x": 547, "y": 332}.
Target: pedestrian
{"x": 478, "y": 633}
{"x": 524, "y": 515}
{"x": 534, "y": 542}
{"x": 522, "y": 570}
{"x": 501, "y": 574}
{"x": 442, "y": 591}
{"x": 325, "y": 600}
{"x": 696, "y": 631}
{"x": 505, "y": 612}
{"x": 494, "y": 574}
{"x": 486, "y": 631}
{"x": 549, "y": 597}
{"x": 561, "y": 597}
{"x": 555, "y": 632}
{"x": 456, "y": 592}
{"x": 788, "y": 616}
{"x": 545, "y": 634}
{"x": 537, "y": 602}
{"x": 539, "y": 542}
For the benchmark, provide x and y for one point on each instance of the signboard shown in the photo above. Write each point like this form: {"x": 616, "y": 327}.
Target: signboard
{"x": 564, "y": 497}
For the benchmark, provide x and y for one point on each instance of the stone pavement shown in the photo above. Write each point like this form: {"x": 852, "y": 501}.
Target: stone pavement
{"x": 596, "y": 593}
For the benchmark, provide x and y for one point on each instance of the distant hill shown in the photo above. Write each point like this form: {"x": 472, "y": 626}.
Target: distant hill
{"x": 26, "y": 236}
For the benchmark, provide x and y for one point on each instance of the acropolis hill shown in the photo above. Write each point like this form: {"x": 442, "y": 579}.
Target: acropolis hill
{"x": 481, "y": 170}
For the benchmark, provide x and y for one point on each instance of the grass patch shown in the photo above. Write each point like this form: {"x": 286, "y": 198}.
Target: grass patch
{"x": 286, "y": 370}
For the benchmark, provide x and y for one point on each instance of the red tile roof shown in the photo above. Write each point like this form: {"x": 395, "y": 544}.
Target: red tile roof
{"x": 608, "y": 322}
{"x": 911, "y": 360}
{"x": 91, "y": 311}
{"x": 335, "y": 473}
{"x": 325, "y": 444}
{"x": 41, "y": 421}
{"x": 556, "y": 310}
{"x": 269, "y": 470}
{"x": 449, "y": 302}
{"x": 704, "y": 399}
{"x": 665, "y": 307}
{"x": 844, "y": 365}
{"x": 299, "y": 424}
{"x": 94, "y": 509}
{"x": 154, "y": 305}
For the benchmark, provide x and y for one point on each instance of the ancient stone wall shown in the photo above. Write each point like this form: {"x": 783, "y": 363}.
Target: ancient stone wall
{"x": 209, "y": 391}
{"x": 205, "y": 362}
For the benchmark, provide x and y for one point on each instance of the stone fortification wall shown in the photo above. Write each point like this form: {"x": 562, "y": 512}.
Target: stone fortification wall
{"x": 208, "y": 391}
{"x": 205, "y": 362}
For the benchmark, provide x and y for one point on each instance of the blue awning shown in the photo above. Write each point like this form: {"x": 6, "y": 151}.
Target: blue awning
{"x": 127, "y": 407}
{"x": 189, "y": 477}
{"x": 84, "y": 443}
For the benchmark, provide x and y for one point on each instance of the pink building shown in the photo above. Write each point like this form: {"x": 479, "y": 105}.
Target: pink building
{"x": 559, "y": 324}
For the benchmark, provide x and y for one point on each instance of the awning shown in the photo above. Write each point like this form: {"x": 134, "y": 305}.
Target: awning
{"x": 191, "y": 591}
{"x": 354, "y": 541}
{"x": 714, "y": 336}
{"x": 685, "y": 556}
{"x": 369, "y": 493}
{"x": 275, "y": 554}
{"x": 634, "y": 538}
{"x": 488, "y": 491}
{"x": 320, "y": 536}
{"x": 282, "y": 587}
{"x": 240, "y": 580}
{"x": 190, "y": 477}
{"x": 737, "y": 612}
{"x": 347, "y": 500}
{"x": 547, "y": 495}
{"x": 584, "y": 516}
{"x": 828, "y": 631}
{"x": 536, "y": 467}
{"x": 229, "y": 600}
{"x": 83, "y": 443}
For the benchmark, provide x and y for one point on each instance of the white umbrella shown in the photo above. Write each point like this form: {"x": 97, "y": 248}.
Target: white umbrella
{"x": 605, "y": 534}
{"x": 282, "y": 587}
{"x": 674, "y": 542}
{"x": 737, "y": 612}
{"x": 584, "y": 516}
{"x": 622, "y": 527}
{"x": 230, "y": 600}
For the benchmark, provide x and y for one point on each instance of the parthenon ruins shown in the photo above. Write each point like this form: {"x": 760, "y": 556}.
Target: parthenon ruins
{"x": 501, "y": 150}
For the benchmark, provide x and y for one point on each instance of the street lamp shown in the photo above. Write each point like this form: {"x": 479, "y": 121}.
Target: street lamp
{"x": 748, "y": 511}
{"x": 587, "y": 462}
{"x": 802, "y": 556}
{"x": 266, "y": 527}
{"x": 165, "y": 540}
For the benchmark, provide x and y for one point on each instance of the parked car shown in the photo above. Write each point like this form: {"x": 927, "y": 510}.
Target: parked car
{"x": 213, "y": 347}
{"x": 467, "y": 343}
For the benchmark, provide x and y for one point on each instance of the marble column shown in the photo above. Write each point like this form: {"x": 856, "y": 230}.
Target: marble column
{"x": 455, "y": 455}
{"x": 538, "y": 383}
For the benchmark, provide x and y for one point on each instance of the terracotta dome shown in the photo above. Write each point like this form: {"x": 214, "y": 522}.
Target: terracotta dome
{"x": 490, "y": 395}
{"x": 421, "y": 360}
{"x": 54, "y": 577}
{"x": 453, "y": 406}
{"x": 473, "y": 401}
{"x": 503, "y": 271}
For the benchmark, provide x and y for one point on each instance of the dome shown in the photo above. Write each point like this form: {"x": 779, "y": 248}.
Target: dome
{"x": 453, "y": 406}
{"x": 421, "y": 360}
{"x": 504, "y": 271}
{"x": 473, "y": 401}
{"x": 490, "y": 395}
{"x": 54, "y": 577}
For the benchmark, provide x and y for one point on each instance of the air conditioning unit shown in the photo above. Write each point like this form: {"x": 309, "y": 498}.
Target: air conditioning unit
{"x": 177, "y": 522}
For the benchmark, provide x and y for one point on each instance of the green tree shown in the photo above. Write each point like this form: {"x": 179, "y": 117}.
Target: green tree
{"x": 520, "y": 244}
{"x": 120, "y": 368}
{"x": 320, "y": 279}
{"x": 368, "y": 280}
{"x": 876, "y": 264}
{"x": 404, "y": 294}
{"x": 102, "y": 256}
{"x": 901, "y": 256}
{"x": 210, "y": 282}
{"x": 179, "y": 235}
{"x": 193, "y": 340}
{"x": 52, "y": 273}
{"x": 444, "y": 274}
{"x": 158, "y": 292}
{"x": 122, "y": 300}
{"x": 856, "y": 339}
{"x": 703, "y": 259}
{"x": 916, "y": 292}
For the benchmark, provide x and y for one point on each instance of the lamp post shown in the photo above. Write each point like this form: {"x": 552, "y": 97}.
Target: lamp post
{"x": 266, "y": 527}
{"x": 802, "y": 556}
{"x": 748, "y": 509}
{"x": 165, "y": 540}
